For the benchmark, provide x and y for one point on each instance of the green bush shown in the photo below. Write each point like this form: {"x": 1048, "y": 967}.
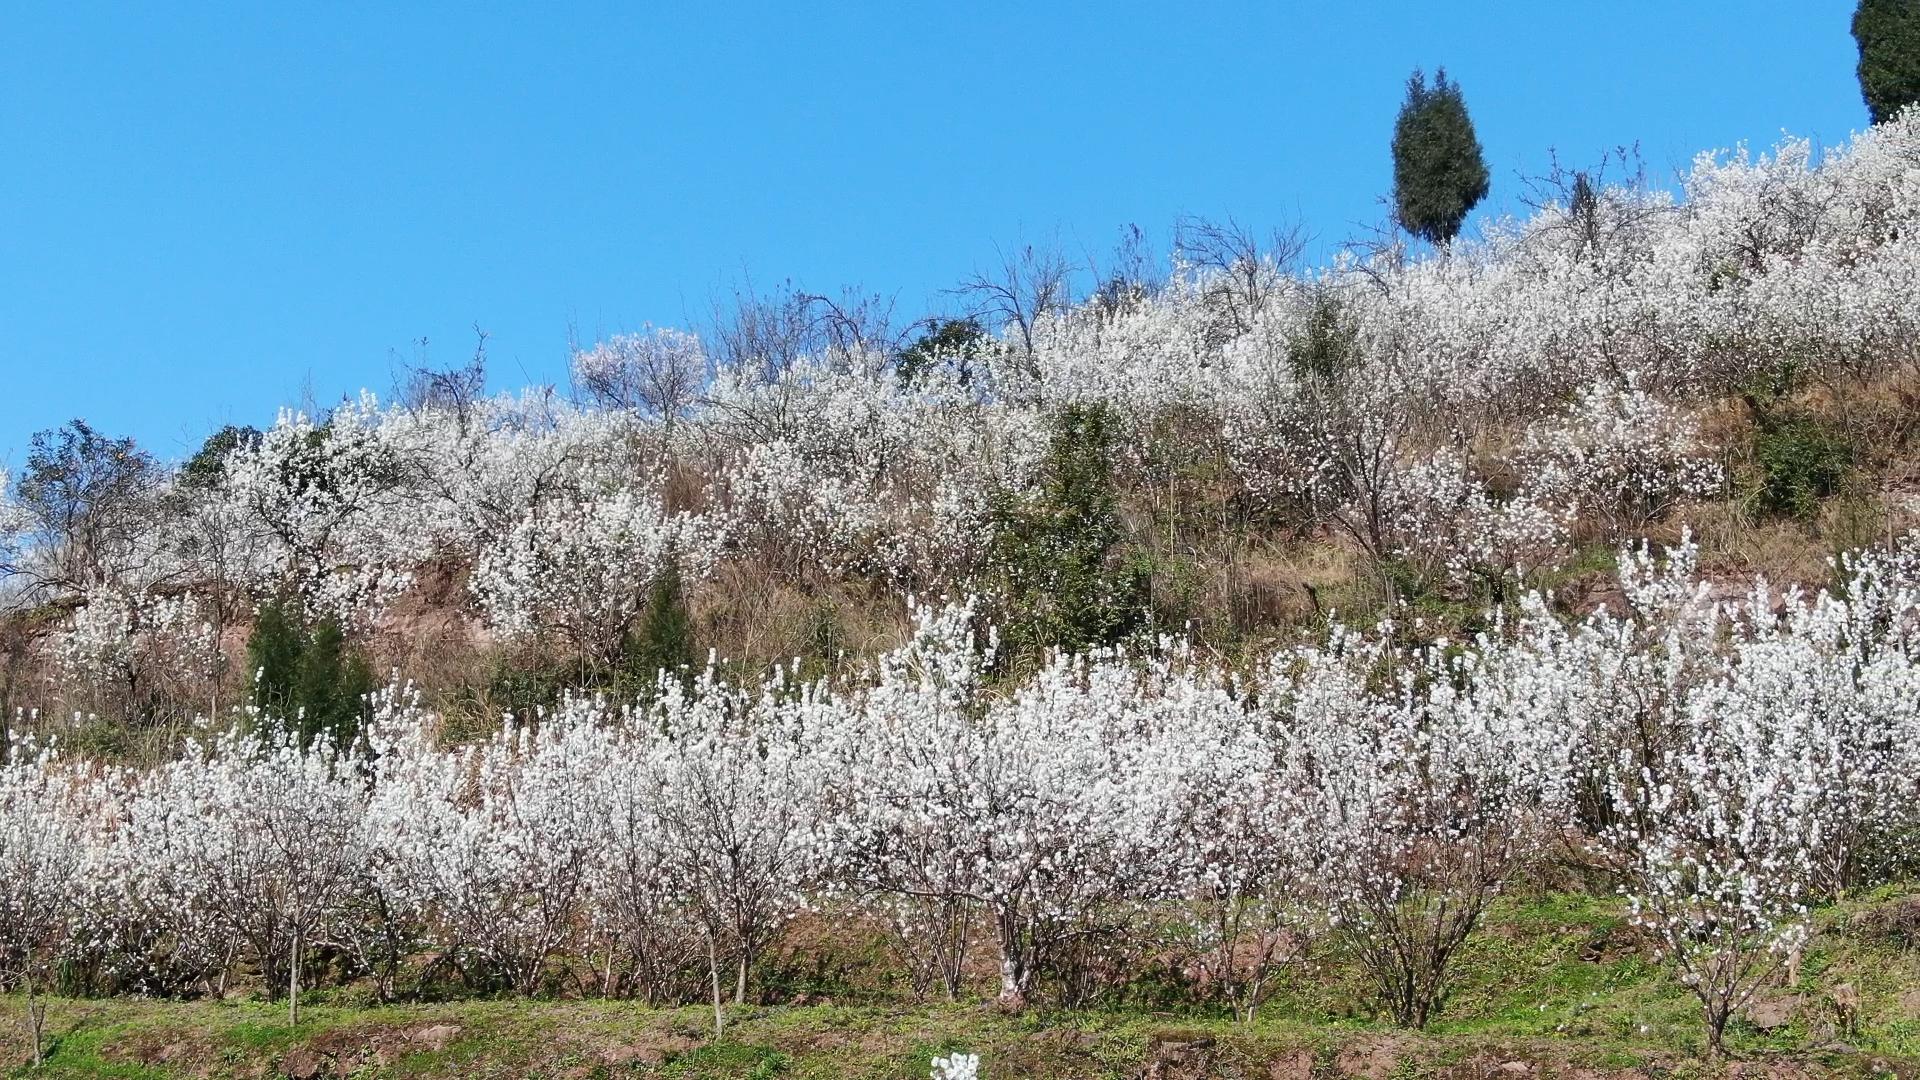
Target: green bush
{"x": 307, "y": 676}
{"x": 953, "y": 344}
{"x": 1324, "y": 348}
{"x": 208, "y": 464}
{"x": 1801, "y": 460}
{"x": 663, "y": 641}
{"x": 1056, "y": 563}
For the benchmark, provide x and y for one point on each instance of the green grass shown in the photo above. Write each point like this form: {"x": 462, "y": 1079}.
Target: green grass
{"x": 1558, "y": 981}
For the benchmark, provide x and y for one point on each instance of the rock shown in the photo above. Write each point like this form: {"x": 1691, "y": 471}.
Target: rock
{"x": 437, "y": 1037}
{"x": 1908, "y": 1005}
{"x": 643, "y": 1056}
{"x": 1846, "y": 1005}
{"x": 1773, "y": 1014}
{"x": 1296, "y": 1066}
{"x": 1179, "y": 1059}
{"x": 301, "y": 1065}
{"x": 1515, "y": 1068}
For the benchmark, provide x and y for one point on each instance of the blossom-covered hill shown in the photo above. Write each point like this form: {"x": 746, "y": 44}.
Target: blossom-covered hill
{"x": 1079, "y": 652}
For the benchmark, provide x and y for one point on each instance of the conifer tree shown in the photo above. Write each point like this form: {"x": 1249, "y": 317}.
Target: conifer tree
{"x": 309, "y": 679}
{"x": 1439, "y": 171}
{"x": 1888, "y": 33}
{"x": 1057, "y": 556}
{"x": 664, "y": 640}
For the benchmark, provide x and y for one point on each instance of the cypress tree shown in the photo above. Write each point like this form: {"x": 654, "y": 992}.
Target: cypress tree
{"x": 309, "y": 679}
{"x": 1056, "y": 557}
{"x": 332, "y": 684}
{"x": 1888, "y": 33}
{"x": 664, "y": 640}
{"x": 273, "y": 656}
{"x": 1439, "y": 171}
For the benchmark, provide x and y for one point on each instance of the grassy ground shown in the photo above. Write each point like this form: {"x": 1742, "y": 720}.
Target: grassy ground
{"x": 1557, "y": 986}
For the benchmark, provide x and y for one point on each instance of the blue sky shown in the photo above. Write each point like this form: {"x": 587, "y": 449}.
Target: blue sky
{"x": 208, "y": 211}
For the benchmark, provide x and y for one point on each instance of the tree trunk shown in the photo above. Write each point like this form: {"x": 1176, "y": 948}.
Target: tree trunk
{"x": 1014, "y": 972}
{"x": 293, "y": 983}
{"x": 713, "y": 972}
{"x": 36, "y": 1012}
{"x": 1717, "y": 1017}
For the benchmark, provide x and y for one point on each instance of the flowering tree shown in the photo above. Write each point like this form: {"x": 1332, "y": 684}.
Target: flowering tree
{"x": 1773, "y": 768}
{"x": 1426, "y": 800}
{"x": 43, "y": 852}
{"x": 579, "y": 567}
{"x": 738, "y": 804}
{"x": 494, "y": 843}
{"x": 1230, "y": 811}
{"x": 1020, "y": 806}
{"x": 146, "y": 656}
{"x": 1622, "y": 457}
{"x": 265, "y": 858}
{"x": 656, "y": 373}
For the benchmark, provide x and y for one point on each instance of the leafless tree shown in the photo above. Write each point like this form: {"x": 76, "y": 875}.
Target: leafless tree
{"x": 852, "y": 325}
{"x": 1246, "y": 274}
{"x": 768, "y": 333}
{"x": 454, "y": 389}
{"x": 1594, "y": 208}
{"x": 1131, "y": 276}
{"x": 1030, "y": 285}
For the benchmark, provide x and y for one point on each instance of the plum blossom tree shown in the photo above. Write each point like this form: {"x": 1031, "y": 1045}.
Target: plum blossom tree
{"x": 148, "y": 656}
{"x": 1774, "y": 766}
{"x": 657, "y": 373}
{"x": 494, "y": 843}
{"x": 44, "y": 850}
{"x": 1426, "y": 799}
{"x": 266, "y": 855}
{"x": 739, "y": 808}
{"x": 580, "y": 567}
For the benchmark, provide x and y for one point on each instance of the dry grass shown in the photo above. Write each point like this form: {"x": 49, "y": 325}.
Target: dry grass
{"x": 755, "y": 619}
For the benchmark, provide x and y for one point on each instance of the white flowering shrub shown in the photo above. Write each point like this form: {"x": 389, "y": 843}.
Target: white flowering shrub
{"x": 145, "y": 656}
{"x": 578, "y": 568}
{"x": 243, "y": 845}
{"x": 45, "y": 813}
{"x": 328, "y": 504}
{"x": 1764, "y": 773}
{"x": 1622, "y": 458}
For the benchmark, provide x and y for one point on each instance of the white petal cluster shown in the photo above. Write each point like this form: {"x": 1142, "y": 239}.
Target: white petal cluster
{"x": 580, "y": 566}
{"x": 1621, "y": 457}
{"x": 134, "y": 650}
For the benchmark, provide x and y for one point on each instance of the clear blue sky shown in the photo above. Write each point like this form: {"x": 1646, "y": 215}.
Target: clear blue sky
{"x": 205, "y": 210}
